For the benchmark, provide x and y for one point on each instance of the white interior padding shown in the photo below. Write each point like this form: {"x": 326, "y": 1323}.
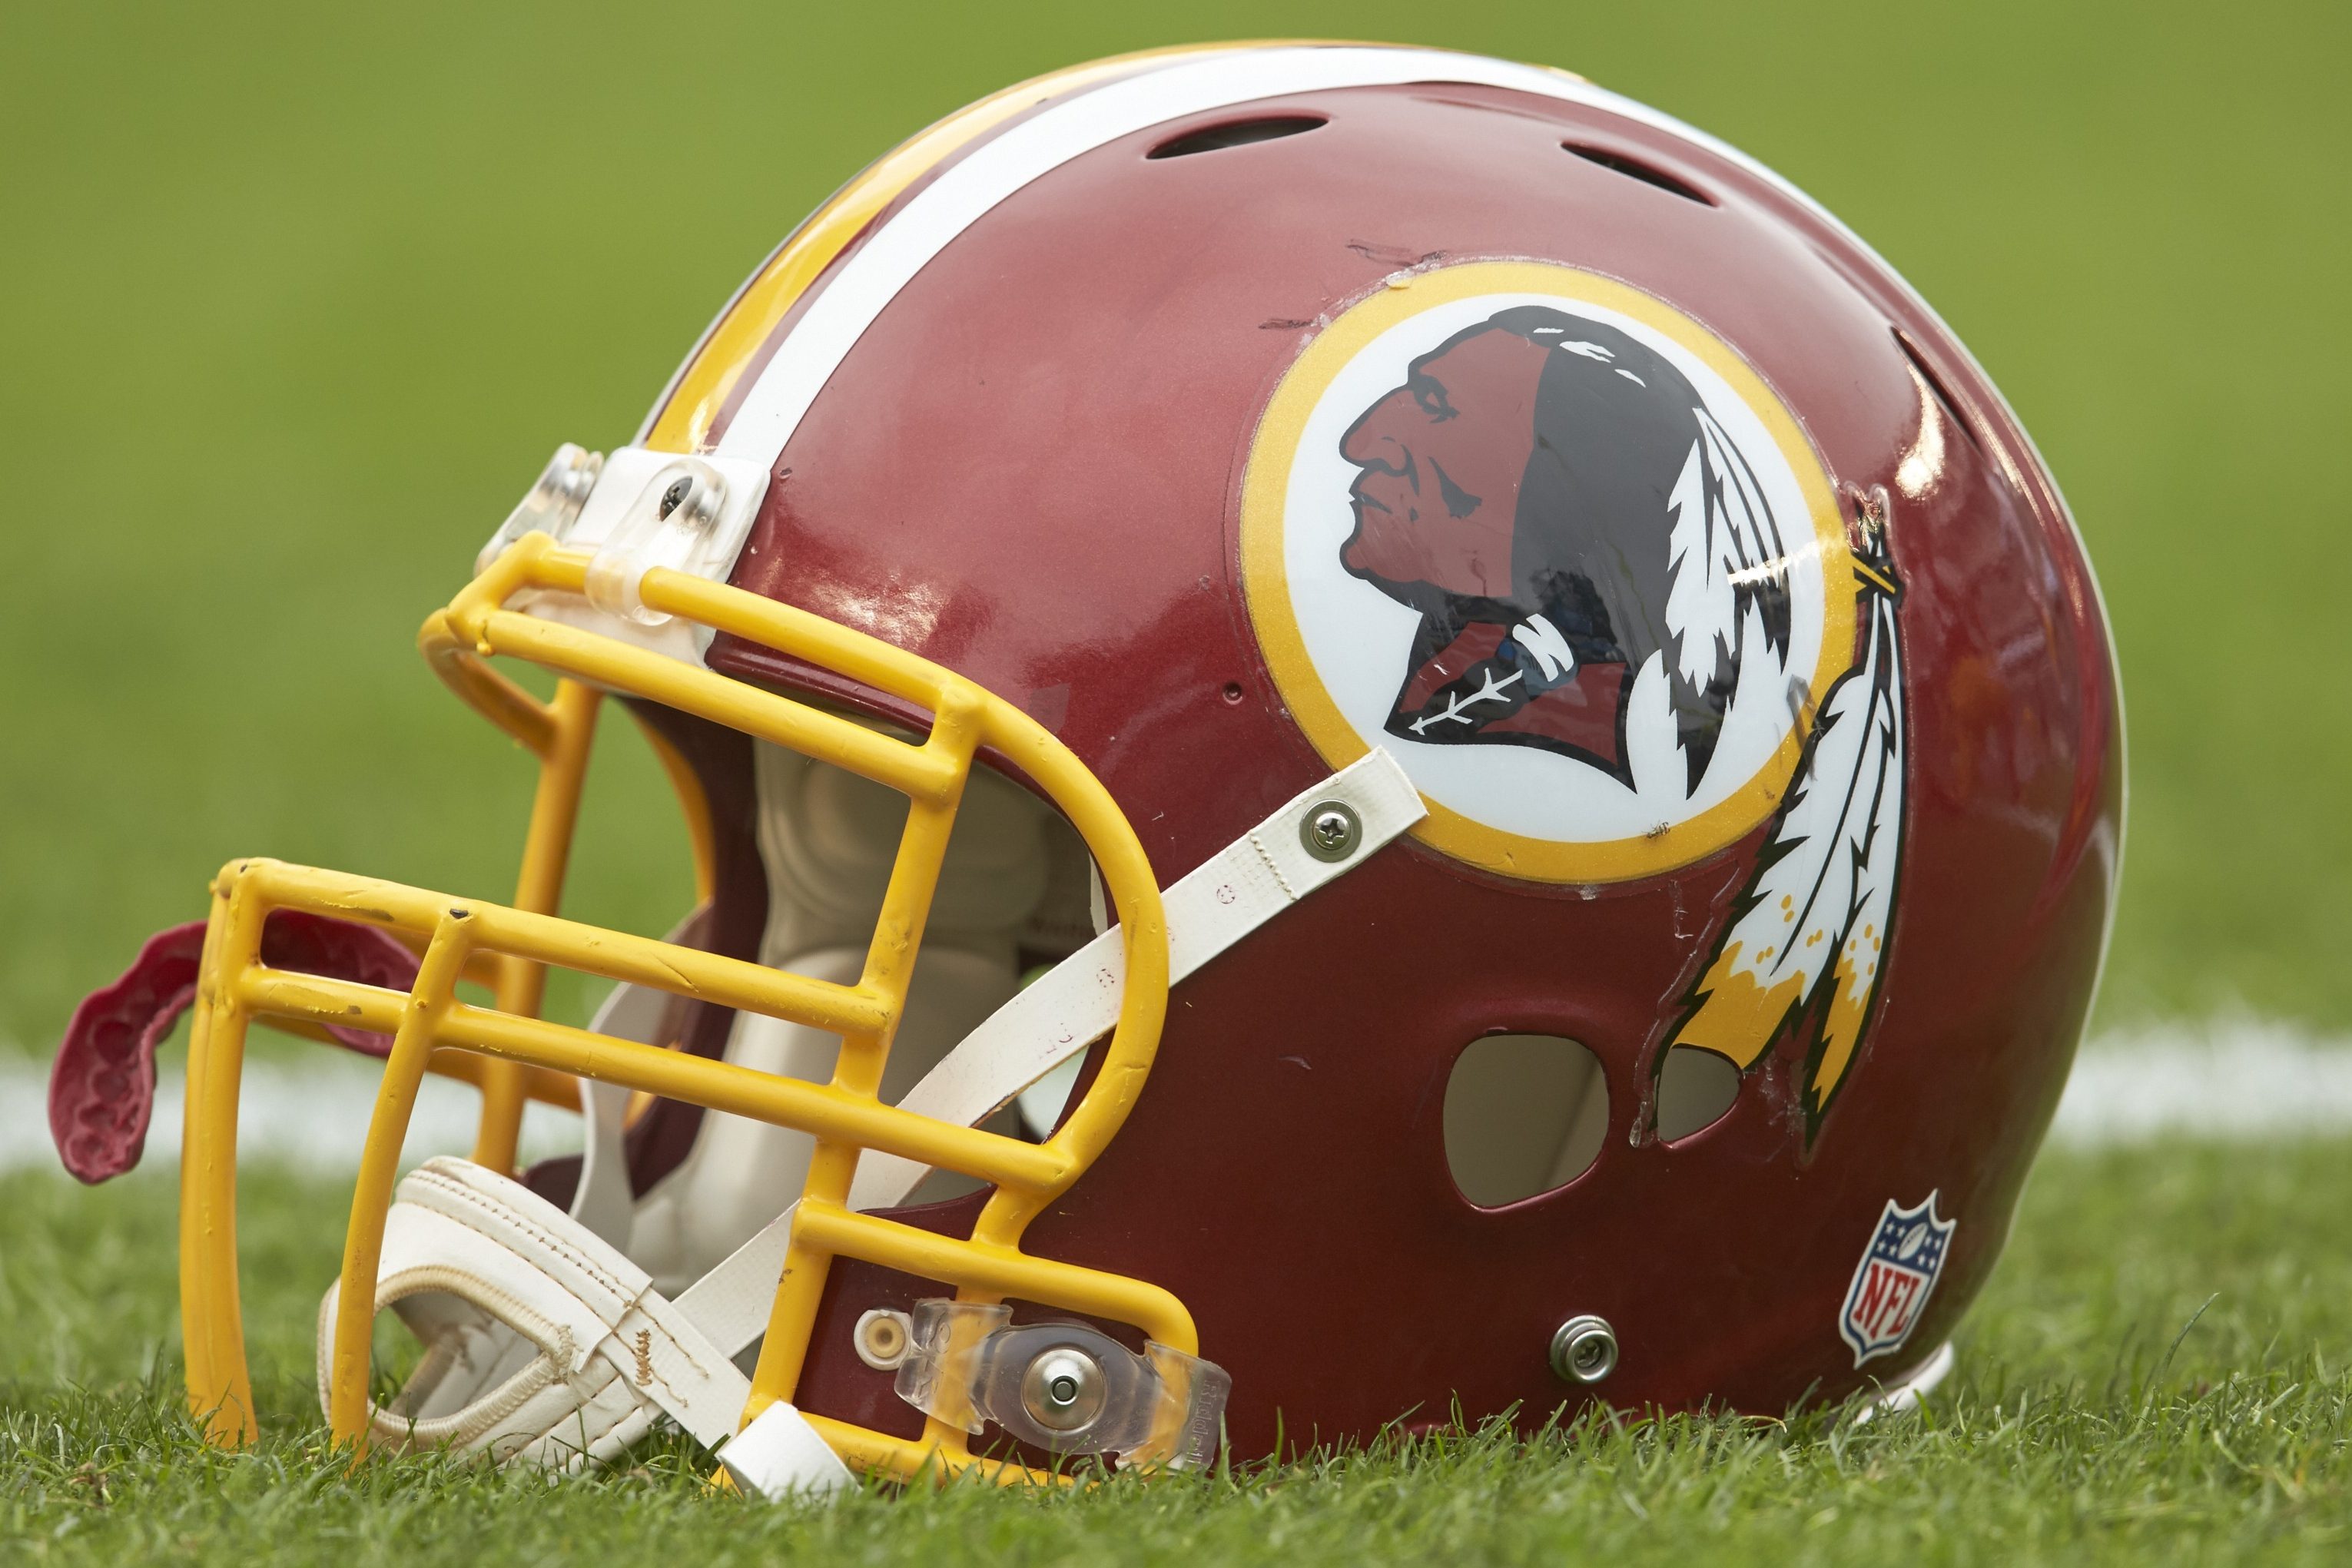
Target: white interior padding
{"x": 828, "y": 839}
{"x": 1015, "y": 880}
{"x": 1208, "y": 909}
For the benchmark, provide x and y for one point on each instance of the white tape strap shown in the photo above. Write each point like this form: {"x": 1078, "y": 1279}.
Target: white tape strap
{"x": 779, "y": 1455}
{"x": 1247, "y": 883}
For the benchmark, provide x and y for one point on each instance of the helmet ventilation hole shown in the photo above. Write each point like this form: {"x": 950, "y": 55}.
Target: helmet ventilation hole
{"x": 1237, "y": 133}
{"x": 1934, "y": 385}
{"x": 1640, "y": 170}
{"x": 1695, "y": 1091}
{"x": 1525, "y": 1113}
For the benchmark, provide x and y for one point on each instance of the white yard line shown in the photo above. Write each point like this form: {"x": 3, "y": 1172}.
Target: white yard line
{"x": 2233, "y": 1079}
{"x": 314, "y": 1115}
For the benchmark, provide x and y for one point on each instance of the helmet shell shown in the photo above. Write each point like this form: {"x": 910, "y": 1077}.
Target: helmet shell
{"x": 1031, "y": 467}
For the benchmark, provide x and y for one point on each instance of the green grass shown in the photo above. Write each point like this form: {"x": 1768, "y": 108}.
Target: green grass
{"x": 2121, "y": 1396}
{"x": 295, "y": 298}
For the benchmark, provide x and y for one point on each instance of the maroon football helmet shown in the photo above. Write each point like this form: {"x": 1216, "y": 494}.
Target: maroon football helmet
{"x": 1243, "y": 416}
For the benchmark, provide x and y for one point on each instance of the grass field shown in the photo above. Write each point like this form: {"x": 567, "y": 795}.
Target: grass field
{"x": 294, "y": 300}
{"x": 2153, "y": 1376}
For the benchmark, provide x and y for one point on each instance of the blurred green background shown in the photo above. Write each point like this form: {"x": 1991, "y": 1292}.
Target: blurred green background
{"x": 294, "y": 300}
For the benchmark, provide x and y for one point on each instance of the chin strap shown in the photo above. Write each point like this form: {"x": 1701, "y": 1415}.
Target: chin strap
{"x": 545, "y": 1344}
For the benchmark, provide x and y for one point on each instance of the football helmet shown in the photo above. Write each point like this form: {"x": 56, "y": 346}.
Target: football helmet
{"x": 1371, "y": 737}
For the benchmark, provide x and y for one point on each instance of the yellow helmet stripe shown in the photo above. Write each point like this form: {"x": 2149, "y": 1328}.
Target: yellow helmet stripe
{"x": 718, "y": 364}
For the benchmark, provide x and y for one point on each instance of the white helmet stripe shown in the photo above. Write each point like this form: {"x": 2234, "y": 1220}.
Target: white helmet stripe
{"x": 867, "y": 281}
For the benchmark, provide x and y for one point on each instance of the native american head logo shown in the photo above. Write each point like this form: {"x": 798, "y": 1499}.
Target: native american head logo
{"x": 1560, "y": 550}
{"x": 1556, "y": 501}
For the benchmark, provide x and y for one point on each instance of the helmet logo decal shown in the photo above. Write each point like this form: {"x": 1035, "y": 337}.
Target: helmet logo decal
{"x": 1553, "y": 500}
{"x": 1556, "y": 546}
{"x": 1891, "y": 1283}
{"x": 1563, "y": 552}
{"x": 1807, "y": 932}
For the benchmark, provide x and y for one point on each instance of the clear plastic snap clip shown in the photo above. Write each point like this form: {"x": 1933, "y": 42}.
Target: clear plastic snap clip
{"x": 552, "y": 505}
{"x": 674, "y": 522}
{"x": 1066, "y": 1387}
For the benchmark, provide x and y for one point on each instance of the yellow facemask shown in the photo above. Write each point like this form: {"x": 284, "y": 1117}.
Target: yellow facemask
{"x": 513, "y": 1055}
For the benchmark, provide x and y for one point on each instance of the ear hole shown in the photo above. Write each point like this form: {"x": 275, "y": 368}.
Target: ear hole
{"x": 1640, "y": 170}
{"x": 1525, "y": 1113}
{"x": 1934, "y": 385}
{"x": 1237, "y": 133}
{"x": 1695, "y": 1091}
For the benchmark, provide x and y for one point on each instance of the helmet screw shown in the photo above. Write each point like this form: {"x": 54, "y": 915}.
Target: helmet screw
{"x": 1584, "y": 1349}
{"x": 1063, "y": 1391}
{"x": 1331, "y": 830}
{"x": 675, "y": 497}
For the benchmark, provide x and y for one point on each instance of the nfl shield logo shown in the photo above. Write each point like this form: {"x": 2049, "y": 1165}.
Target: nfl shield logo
{"x": 1892, "y": 1282}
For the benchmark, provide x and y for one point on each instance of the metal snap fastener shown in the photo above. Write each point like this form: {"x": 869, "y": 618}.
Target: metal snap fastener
{"x": 1063, "y": 1389}
{"x": 1584, "y": 1349}
{"x": 882, "y": 1338}
{"x": 1331, "y": 830}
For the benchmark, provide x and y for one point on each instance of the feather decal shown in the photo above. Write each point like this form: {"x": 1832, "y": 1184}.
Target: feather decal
{"x": 1728, "y": 560}
{"x": 1807, "y": 932}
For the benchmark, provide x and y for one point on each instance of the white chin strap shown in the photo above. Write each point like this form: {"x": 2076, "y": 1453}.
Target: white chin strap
{"x": 543, "y": 1344}
{"x": 546, "y": 1343}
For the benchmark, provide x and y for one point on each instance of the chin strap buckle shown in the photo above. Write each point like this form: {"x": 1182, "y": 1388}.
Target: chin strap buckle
{"x": 1066, "y": 1387}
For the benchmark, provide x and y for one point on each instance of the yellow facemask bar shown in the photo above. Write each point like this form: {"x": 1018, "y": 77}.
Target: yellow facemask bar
{"x": 512, "y": 1055}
